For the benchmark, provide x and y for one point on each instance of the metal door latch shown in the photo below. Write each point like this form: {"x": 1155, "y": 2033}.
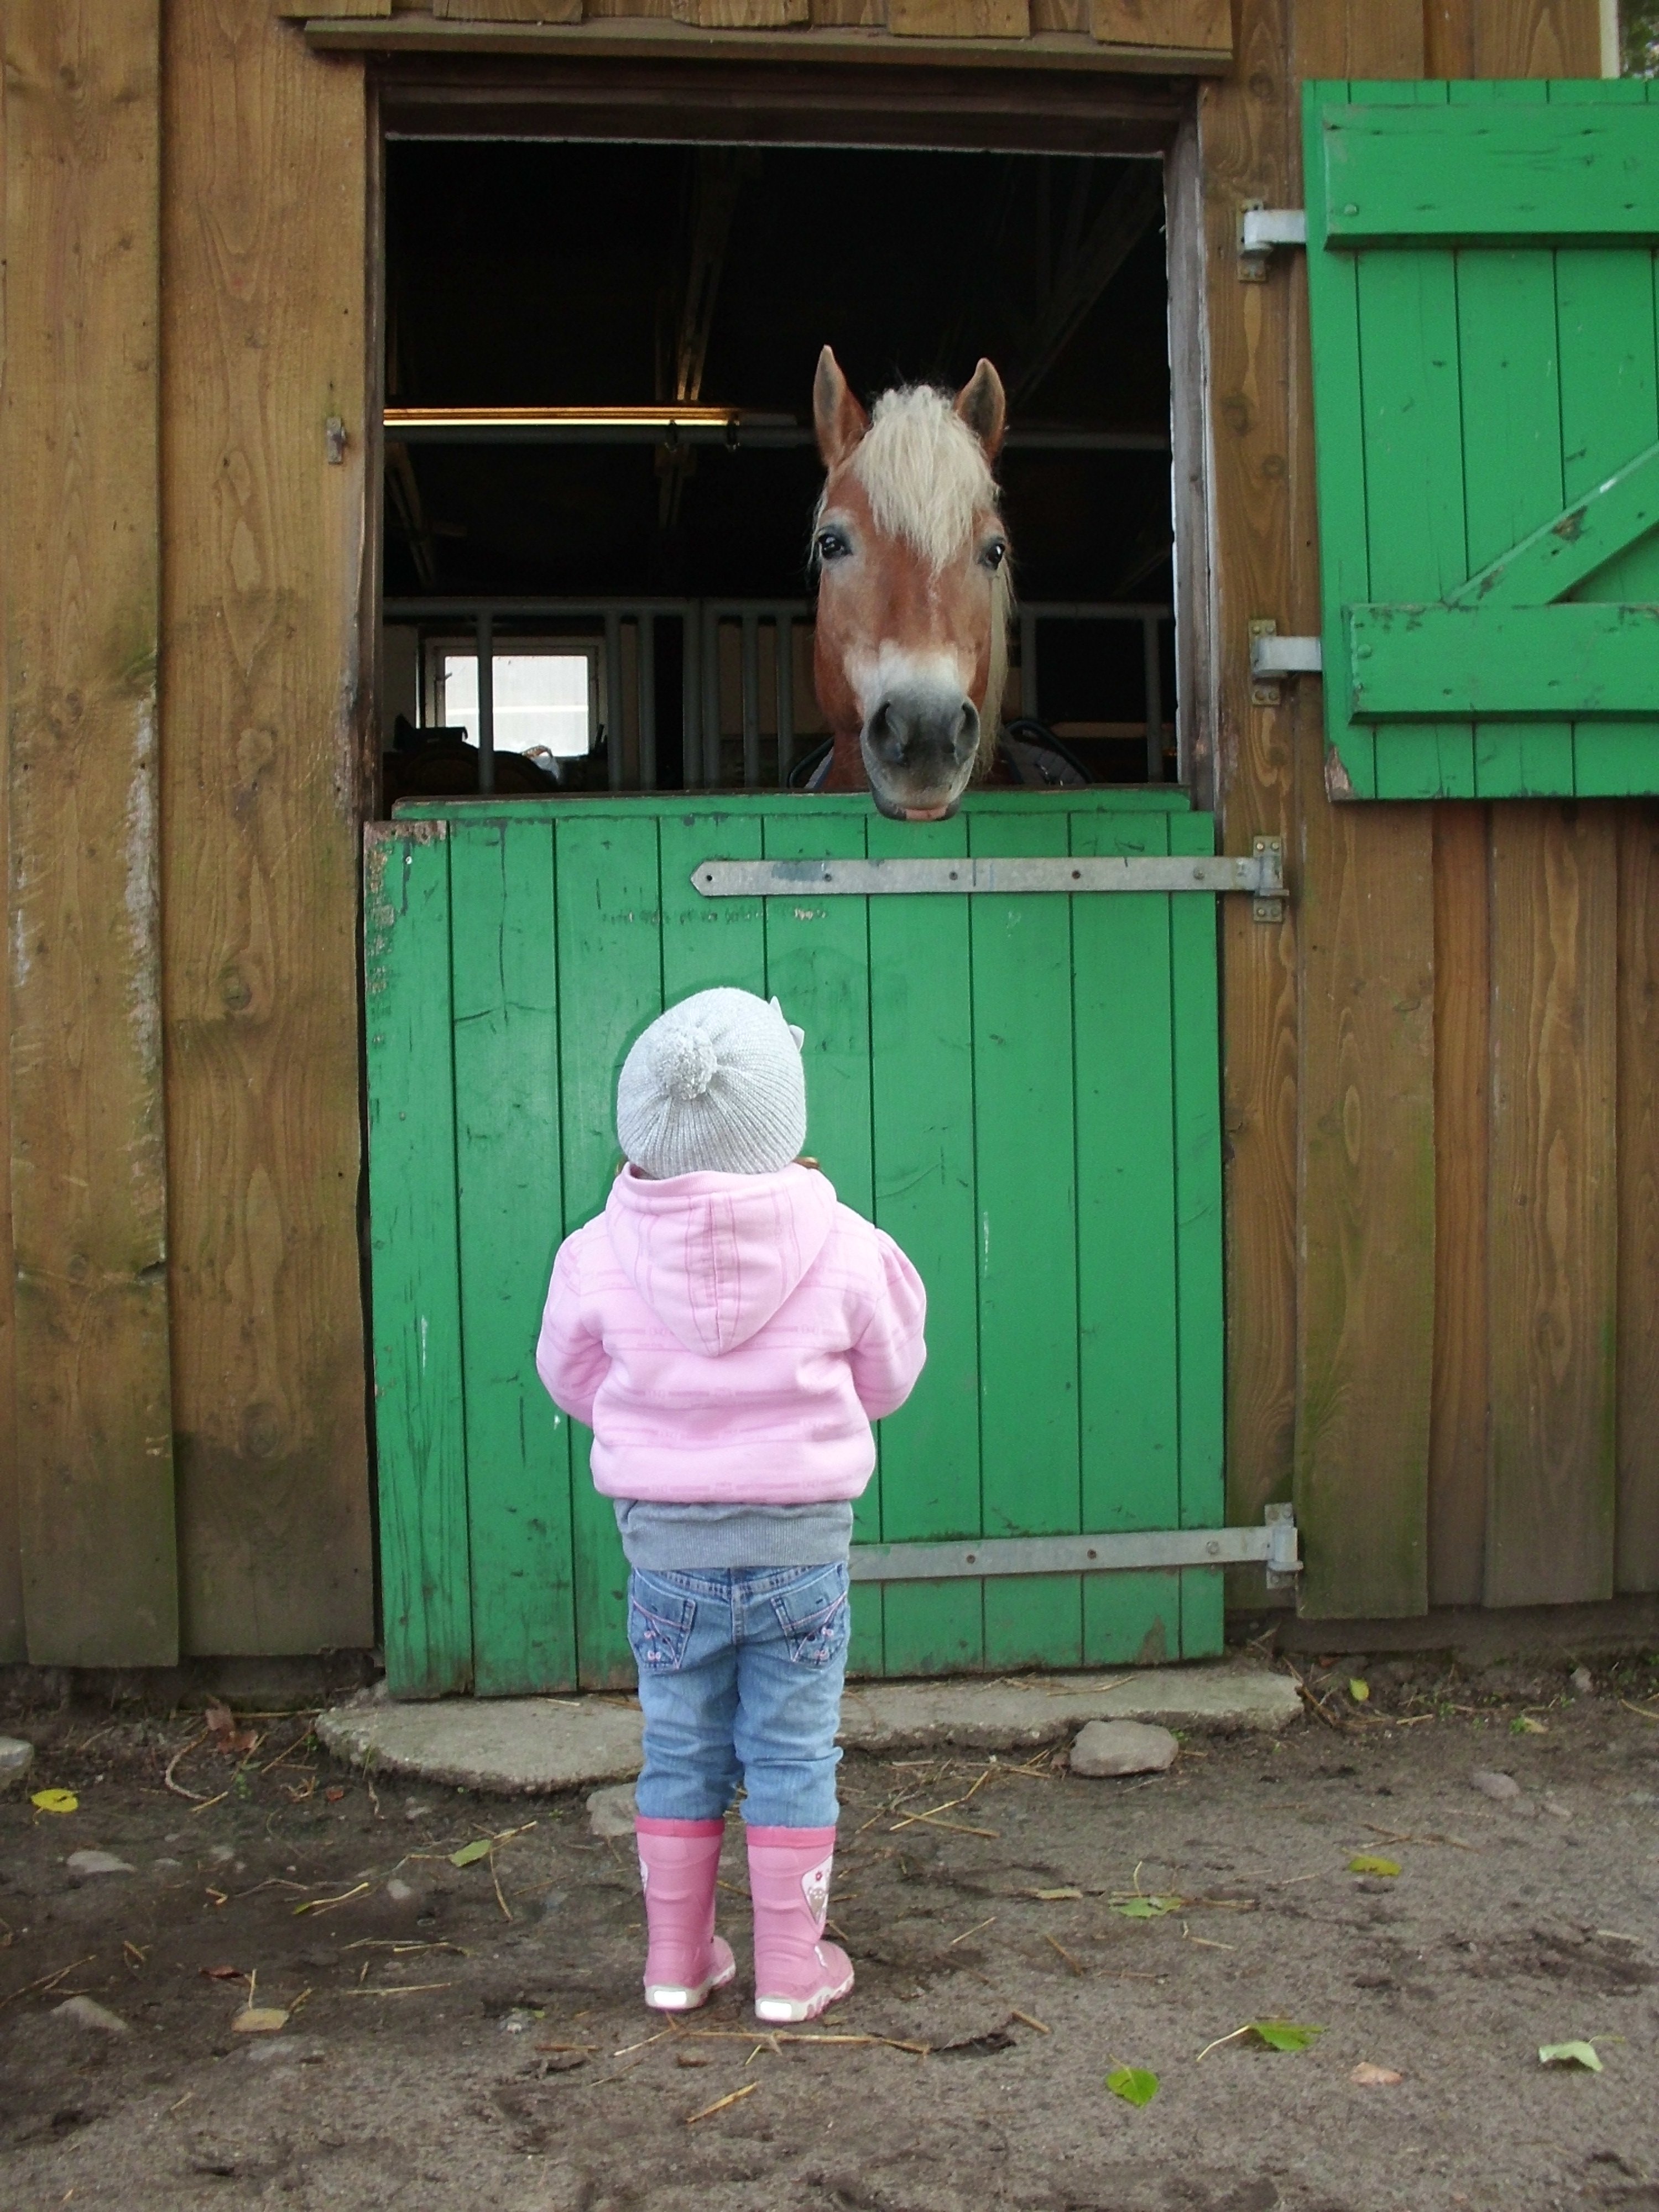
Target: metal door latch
{"x": 1259, "y": 230}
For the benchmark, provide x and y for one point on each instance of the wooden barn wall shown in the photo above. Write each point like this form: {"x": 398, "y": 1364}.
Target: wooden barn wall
{"x": 1440, "y": 1090}
{"x": 183, "y": 449}
{"x": 1443, "y": 1215}
{"x": 264, "y": 413}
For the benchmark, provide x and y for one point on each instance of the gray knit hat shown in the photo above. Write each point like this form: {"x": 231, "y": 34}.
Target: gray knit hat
{"x": 715, "y": 1085}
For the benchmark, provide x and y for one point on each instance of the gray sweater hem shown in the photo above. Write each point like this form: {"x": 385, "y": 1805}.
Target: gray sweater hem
{"x": 681, "y": 1537}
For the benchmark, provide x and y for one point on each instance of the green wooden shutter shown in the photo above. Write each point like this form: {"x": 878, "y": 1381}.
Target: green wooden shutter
{"x": 1481, "y": 294}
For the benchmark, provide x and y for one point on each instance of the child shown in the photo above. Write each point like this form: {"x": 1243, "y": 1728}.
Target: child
{"x": 729, "y": 1331}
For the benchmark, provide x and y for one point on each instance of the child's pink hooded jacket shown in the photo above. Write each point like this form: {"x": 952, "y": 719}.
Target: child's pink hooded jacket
{"x": 730, "y": 1338}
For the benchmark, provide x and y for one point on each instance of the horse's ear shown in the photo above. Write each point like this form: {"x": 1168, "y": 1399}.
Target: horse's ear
{"x": 837, "y": 416}
{"x": 983, "y": 406}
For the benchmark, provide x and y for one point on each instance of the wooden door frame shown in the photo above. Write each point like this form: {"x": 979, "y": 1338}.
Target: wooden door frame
{"x": 646, "y": 97}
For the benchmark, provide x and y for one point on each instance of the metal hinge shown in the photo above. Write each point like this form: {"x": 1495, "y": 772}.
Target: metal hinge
{"x": 1259, "y": 230}
{"x": 1273, "y": 1546}
{"x": 1272, "y": 656}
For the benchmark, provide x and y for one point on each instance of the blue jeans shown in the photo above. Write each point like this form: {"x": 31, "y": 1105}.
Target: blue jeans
{"x": 740, "y": 1679}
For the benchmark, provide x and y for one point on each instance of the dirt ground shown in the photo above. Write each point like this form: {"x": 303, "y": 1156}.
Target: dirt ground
{"x": 473, "y": 2035}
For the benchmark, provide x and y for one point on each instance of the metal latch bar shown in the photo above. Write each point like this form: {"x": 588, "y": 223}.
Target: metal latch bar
{"x": 1259, "y": 873}
{"x": 1262, "y": 229}
{"x": 1272, "y": 1546}
{"x": 1272, "y": 655}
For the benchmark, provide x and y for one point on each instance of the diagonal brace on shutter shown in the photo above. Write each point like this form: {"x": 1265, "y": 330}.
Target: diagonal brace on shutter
{"x": 1508, "y": 643}
{"x": 1260, "y": 873}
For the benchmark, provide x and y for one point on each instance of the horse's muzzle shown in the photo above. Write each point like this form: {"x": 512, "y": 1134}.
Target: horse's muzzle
{"x": 919, "y": 748}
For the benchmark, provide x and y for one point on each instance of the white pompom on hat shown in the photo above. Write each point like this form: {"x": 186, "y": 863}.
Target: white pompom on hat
{"x": 715, "y": 1085}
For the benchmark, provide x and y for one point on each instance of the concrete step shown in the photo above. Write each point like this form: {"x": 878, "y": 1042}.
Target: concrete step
{"x": 529, "y": 1746}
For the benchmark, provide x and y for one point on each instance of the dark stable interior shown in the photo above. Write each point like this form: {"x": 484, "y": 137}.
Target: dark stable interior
{"x": 557, "y": 274}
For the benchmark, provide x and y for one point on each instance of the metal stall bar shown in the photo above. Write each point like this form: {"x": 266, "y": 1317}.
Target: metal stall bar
{"x": 784, "y": 672}
{"x": 644, "y": 669}
{"x": 1028, "y": 675}
{"x": 750, "y": 667}
{"x": 690, "y": 698}
{"x": 484, "y": 630}
{"x": 613, "y": 692}
{"x": 1149, "y": 637}
{"x": 710, "y": 628}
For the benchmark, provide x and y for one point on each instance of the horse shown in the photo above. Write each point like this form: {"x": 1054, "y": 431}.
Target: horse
{"x": 914, "y": 590}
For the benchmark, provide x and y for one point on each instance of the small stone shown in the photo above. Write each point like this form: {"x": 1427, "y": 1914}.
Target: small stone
{"x": 1583, "y": 1681}
{"x": 88, "y": 1863}
{"x": 1557, "y": 1809}
{"x": 553, "y": 1904}
{"x": 166, "y": 1866}
{"x": 86, "y": 2012}
{"x": 222, "y": 1853}
{"x": 1496, "y": 1786}
{"x": 286, "y": 2050}
{"x": 612, "y": 1811}
{"x": 399, "y": 1892}
{"x": 518, "y": 2021}
{"x": 412, "y": 1812}
{"x": 1106, "y": 1747}
{"x": 16, "y": 1757}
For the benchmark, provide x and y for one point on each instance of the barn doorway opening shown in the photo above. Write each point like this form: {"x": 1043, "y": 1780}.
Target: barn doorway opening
{"x": 600, "y": 470}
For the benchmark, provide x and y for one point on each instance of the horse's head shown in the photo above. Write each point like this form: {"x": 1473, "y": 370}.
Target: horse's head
{"x": 913, "y": 587}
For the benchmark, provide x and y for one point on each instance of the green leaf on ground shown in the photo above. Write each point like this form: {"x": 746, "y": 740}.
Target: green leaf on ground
{"x": 1284, "y": 2034}
{"x": 1365, "y": 1863}
{"x": 1358, "y": 1690}
{"x": 1133, "y": 2084}
{"x": 56, "y": 1801}
{"x": 1147, "y": 1908}
{"x": 470, "y": 1854}
{"x": 1570, "y": 2054}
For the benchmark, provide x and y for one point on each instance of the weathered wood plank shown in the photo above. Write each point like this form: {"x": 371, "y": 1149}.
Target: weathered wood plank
{"x": 1247, "y": 150}
{"x": 817, "y": 967}
{"x": 1637, "y": 1548}
{"x": 959, "y": 19}
{"x": 1513, "y": 38}
{"x": 1457, "y": 1431}
{"x": 408, "y": 1039}
{"x": 78, "y": 458}
{"x": 1366, "y": 1124}
{"x": 921, "y": 1075}
{"x": 1207, "y": 25}
{"x": 510, "y": 1214}
{"x": 1552, "y": 1224}
{"x": 1367, "y": 1293}
{"x": 265, "y": 514}
{"x": 610, "y": 954}
{"x": 740, "y": 14}
{"x": 12, "y": 1643}
{"x": 1028, "y": 1269}
{"x": 509, "y": 11}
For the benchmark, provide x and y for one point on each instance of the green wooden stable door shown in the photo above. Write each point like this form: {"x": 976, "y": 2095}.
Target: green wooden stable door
{"x": 1021, "y": 1089}
{"x": 1481, "y": 286}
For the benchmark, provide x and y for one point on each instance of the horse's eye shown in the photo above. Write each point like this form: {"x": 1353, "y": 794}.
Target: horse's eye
{"x": 832, "y": 545}
{"x": 994, "y": 554}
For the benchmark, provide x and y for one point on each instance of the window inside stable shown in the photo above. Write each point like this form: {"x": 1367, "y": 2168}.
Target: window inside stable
{"x": 621, "y": 540}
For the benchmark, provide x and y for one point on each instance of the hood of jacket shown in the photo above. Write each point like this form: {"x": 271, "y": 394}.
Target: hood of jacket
{"x": 715, "y": 1255}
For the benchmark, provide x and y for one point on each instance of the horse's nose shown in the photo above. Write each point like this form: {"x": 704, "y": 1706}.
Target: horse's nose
{"x": 920, "y": 731}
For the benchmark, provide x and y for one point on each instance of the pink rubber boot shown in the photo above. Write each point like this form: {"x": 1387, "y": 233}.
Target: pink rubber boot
{"x": 684, "y": 1958}
{"x": 797, "y": 1973}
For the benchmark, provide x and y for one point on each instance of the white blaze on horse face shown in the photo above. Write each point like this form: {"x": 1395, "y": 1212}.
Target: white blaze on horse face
{"x": 894, "y": 668}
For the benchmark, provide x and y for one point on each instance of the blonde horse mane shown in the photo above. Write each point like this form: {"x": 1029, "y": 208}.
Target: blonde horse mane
{"x": 924, "y": 472}
{"x": 928, "y": 480}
